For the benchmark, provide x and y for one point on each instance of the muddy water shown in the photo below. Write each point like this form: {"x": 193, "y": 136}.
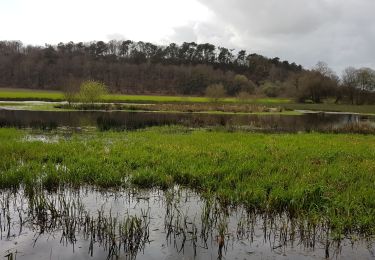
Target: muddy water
{"x": 133, "y": 120}
{"x": 174, "y": 224}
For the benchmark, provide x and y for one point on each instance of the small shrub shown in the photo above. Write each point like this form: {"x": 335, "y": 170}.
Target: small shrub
{"x": 92, "y": 91}
{"x": 270, "y": 89}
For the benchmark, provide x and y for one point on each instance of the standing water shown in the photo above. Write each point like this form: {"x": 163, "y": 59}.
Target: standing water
{"x": 135, "y": 120}
{"x": 171, "y": 224}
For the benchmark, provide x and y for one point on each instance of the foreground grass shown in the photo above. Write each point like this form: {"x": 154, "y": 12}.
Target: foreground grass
{"x": 320, "y": 177}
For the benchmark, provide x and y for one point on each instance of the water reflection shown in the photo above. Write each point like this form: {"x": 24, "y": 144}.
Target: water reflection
{"x": 171, "y": 224}
{"x": 134, "y": 120}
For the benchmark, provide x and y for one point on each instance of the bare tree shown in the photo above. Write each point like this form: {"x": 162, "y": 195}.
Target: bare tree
{"x": 215, "y": 92}
{"x": 366, "y": 79}
{"x": 349, "y": 82}
{"x": 71, "y": 89}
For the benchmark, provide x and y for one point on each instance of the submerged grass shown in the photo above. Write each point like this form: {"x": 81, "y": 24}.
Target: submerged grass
{"x": 321, "y": 177}
{"x": 64, "y": 213}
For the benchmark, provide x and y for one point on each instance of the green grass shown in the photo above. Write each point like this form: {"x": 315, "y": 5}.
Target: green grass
{"x": 27, "y": 94}
{"x": 320, "y": 177}
{"x": 272, "y": 101}
{"x": 22, "y": 94}
{"x": 156, "y": 99}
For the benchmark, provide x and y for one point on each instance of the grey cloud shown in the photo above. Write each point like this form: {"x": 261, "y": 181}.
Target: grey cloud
{"x": 184, "y": 34}
{"x": 203, "y": 32}
{"x": 272, "y": 16}
{"x": 341, "y": 33}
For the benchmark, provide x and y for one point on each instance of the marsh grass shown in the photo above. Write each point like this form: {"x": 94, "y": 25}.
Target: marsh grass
{"x": 187, "y": 108}
{"x": 331, "y": 107}
{"x": 320, "y": 178}
{"x": 366, "y": 128}
{"x": 63, "y": 212}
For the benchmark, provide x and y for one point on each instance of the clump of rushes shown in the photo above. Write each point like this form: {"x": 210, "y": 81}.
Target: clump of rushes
{"x": 321, "y": 178}
{"x": 65, "y": 212}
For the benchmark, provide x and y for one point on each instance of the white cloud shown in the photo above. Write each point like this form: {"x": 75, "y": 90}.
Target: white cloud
{"x": 339, "y": 32}
{"x": 52, "y": 21}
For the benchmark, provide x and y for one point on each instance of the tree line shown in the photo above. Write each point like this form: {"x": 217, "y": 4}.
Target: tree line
{"x": 186, "y": 69}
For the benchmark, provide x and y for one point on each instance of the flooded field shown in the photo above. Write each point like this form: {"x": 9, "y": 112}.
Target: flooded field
{"x": 135, "y": 120}
{"x": 48, "y": 210}
{"x": 171, "y": 224}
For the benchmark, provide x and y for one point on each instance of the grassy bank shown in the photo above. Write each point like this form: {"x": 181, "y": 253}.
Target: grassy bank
{"x": 284, "y": 103}
{"x": 320, "y": 177}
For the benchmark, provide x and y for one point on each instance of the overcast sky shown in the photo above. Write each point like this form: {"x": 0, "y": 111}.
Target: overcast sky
{"x": 339, "y": 32}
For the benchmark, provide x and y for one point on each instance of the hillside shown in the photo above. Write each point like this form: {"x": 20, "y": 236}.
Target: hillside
{"x": 137, "y": 67}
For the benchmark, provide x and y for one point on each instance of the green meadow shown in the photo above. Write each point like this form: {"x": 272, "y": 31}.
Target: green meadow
{"x": 27, "y": 94}
{"x": 320, "y": 178}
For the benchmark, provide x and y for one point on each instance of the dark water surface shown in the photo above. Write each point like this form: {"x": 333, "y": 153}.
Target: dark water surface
{"x": 135, "y": 120}
{"x": 172, "y": 224}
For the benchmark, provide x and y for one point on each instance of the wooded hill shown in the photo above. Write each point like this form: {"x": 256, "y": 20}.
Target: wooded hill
{"x": 135, "y": 67}
{"x": 142, "y": 67}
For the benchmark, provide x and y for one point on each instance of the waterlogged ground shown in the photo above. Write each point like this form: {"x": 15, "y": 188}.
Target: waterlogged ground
{"x": 251, "y": 196}
{"x": 171, "y": 224}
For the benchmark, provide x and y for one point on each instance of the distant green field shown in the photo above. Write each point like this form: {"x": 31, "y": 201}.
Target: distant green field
{"x": 151, "y": 98}
{"x": 21, "y": 94}
{"x": 26, "y": 94}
